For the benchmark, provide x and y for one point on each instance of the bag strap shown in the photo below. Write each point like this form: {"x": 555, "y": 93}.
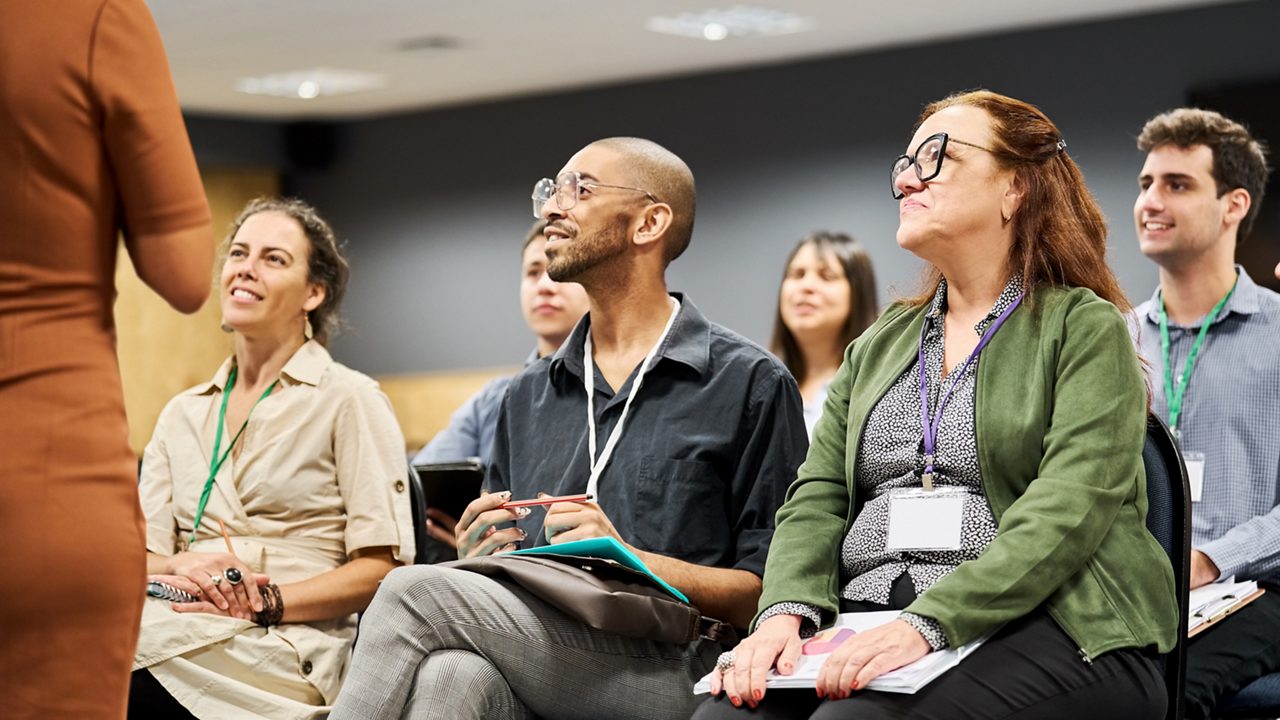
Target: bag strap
{"x": 717, "y": 631}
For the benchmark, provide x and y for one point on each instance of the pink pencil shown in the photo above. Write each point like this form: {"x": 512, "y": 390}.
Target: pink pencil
{"x": 512, "y": 504}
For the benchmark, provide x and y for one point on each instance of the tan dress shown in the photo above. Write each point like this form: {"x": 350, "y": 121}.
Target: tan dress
{"x": 318, "y": 474}
{"x": 91, "y": 143}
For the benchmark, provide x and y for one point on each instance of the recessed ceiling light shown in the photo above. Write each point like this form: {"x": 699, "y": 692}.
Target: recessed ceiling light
{"x": 429, "y": 42}
{"x": 715, "y": 31}
{"x": 311, "y": 84}
{"x": 737, "y": 21}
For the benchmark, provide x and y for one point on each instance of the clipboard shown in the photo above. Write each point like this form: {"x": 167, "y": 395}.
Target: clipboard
{"x": 1211, "y": 615}
{"x": 450, "y": 486}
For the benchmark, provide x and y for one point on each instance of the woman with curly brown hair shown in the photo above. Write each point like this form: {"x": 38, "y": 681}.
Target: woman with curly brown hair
{"x": 302, "y": 461}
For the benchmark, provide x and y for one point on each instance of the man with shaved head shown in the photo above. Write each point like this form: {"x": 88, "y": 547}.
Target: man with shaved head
{"x": 685, "y": 434}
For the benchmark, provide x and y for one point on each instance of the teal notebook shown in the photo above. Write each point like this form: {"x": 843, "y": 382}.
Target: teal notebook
{"x": 602, "y": 547}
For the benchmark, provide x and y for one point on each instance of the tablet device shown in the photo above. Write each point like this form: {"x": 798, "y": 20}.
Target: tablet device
{"x": 451, "y": 486}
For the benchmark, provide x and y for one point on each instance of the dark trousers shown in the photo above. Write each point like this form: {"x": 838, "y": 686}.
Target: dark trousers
{"x": 1029, "y": 669}
{"x": 1242, "y": 648}
{"x": 149, "y": 700}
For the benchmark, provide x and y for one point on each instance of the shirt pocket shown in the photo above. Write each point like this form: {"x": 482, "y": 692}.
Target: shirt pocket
{"x": 680, "y": 510}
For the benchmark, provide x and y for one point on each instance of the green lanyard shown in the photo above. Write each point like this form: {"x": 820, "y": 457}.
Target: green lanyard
{"x": 215, "y": 463}
{"x": 1172, "y": 394}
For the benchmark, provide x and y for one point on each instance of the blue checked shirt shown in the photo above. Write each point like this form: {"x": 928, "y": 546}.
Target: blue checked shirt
{"x": 1231, "y": 413}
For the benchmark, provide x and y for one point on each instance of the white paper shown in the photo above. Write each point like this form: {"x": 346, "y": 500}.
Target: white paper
{"x": 920, "y": 522}
{"x": 1210, "y": 602}
{"x": 906, "y": 679}
{"x": 1195, "y": 473}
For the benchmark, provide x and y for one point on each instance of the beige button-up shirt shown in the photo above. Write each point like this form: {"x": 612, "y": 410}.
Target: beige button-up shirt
{"x": 318, "y": 473}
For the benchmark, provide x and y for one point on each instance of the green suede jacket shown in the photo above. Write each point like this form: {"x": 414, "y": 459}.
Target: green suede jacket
{"x": 1061, "y": 418}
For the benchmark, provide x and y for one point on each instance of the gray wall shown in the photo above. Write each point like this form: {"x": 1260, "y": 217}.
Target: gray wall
{"x": 434, "y": 204}
{"x": 226, "y": 142}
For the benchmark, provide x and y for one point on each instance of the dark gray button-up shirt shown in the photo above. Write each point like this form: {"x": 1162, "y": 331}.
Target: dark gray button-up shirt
{"x": 710, "y": 444}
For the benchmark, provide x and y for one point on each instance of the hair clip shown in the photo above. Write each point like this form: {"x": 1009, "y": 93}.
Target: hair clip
{"x": 1061, "y": 146}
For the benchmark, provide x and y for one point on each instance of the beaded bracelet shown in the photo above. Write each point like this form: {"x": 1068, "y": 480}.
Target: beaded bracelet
{"x": 272, "y": 606}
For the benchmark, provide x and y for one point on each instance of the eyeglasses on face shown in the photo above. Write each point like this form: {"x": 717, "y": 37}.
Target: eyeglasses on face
{"x": 568, "y": 188}
{"x": 927, "y": 160}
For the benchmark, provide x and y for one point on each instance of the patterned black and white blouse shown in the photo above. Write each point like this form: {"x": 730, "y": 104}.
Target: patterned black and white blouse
{"x": 891, "y": 456}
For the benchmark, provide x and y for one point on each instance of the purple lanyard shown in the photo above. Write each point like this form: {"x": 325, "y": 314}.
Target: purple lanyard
{"x": 931, "y": 429}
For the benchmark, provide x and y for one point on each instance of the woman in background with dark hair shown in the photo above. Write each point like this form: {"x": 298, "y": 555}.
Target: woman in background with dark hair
{"x": 302, "y": 460}
{"x": 978, "y": 465}
{"x": 827, "y": 298}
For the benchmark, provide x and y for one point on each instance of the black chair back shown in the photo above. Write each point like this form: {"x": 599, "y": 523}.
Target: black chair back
{"x": 1169, "y": 520}
{"x": 418, "y": 503}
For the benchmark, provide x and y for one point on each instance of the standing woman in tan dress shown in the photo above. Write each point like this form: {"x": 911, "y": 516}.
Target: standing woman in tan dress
{"x": 91, "y": 143}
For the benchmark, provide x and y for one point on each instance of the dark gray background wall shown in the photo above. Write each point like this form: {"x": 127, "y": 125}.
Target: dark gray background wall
{"x": 434, "y": 204}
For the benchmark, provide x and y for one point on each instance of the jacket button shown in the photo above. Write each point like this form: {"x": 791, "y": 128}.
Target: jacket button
{"x": 399, "y": 486}
{"x": 306, "y": 667}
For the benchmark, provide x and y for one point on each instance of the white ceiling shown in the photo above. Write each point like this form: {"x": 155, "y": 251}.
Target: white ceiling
{"x": 508, "y": 48}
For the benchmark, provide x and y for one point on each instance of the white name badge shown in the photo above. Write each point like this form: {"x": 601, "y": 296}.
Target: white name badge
{"x": 925, "y": 520}
{"x": 1195, "y": 473}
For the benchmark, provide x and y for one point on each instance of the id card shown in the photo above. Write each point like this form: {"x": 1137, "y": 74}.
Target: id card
{"x": 1195, "y": 473}
{"x": 925, "y": 519}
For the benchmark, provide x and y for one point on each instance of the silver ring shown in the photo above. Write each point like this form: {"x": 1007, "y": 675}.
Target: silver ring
{"x": 725, "y": 661}
{"x": 233, "y": 575}
{"x": 216, "y": 580}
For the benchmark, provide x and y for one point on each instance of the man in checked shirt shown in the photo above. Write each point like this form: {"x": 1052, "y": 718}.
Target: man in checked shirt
{"x": 1212, "y": 337}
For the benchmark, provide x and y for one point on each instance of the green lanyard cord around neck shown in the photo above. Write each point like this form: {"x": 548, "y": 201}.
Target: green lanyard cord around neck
{"x": 215, "y": 461}
{"x": 1175, "y": 394}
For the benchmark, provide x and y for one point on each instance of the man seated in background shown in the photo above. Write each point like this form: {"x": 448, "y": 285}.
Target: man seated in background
{"x": 691, "y": 432}
{"x": 1213, "y": 339}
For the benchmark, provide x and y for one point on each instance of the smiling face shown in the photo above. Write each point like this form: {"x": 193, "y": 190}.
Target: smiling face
{"x": 597, "y": 228}
{"x": 1178, "y": 214}
{"x": 815, "y": 296}
{"x": 965, "y": 200}
{"x": 263, "y": 284}
{"x": 550, "y": 309}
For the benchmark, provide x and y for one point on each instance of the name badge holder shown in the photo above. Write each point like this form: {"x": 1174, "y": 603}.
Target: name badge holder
{"x": 1195, "y": 473}
{"x": 922, "y": 519}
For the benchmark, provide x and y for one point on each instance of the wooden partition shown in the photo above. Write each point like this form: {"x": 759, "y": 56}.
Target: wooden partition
{"x": 424, "y": 402}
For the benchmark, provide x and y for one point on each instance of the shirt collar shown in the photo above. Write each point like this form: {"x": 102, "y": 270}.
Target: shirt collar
{"x": 306, "y": 366}
{"x": 1011, "y": 291}
{"x": 1246, "y": 300}
{"x": 689, "y": 342}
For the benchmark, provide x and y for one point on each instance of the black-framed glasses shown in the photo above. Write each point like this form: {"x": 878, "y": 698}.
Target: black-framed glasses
{"x": 567, "y": 188}
{"x": 927, "y": 160}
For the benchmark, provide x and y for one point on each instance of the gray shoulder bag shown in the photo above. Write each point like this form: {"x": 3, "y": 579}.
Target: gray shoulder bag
{"x": 605, "y": 595}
